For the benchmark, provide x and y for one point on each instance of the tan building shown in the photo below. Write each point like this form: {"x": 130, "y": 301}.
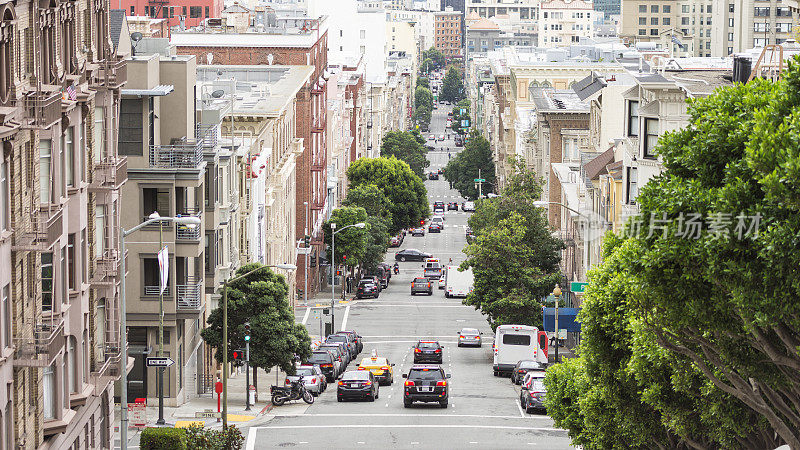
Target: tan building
{"x": 565, "y": 22}
{"x": 740, "y": 26}
{"x": 448, "y": 33}
{"x": 60, "y": 177}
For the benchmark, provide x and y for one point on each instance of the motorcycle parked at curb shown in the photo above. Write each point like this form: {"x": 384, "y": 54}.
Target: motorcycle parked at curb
{"x": 295, "y": 391}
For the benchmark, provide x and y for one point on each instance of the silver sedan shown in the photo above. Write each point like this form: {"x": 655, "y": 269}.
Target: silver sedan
{"x": 313, "y": 378}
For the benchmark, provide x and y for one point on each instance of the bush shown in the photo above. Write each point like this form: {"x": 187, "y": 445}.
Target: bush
{"x": 159, "y": 438}
{"x": 198, "y": 437}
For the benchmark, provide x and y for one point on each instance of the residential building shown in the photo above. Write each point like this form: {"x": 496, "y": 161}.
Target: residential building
{"x": 398, "y": 4}
{"x": 663, "y": 24}
{"x": 607, "y": 7}
{"x": 60, "y": 178}
{"x": 523, "y": 14}
{"x": 187, "y": 13}
{"x": 565, "y": 22}
{"x": 448, "y": 33}
{"x": 423, "y": 24}
{"x": 484, "y": 35}
{"x": 739, "y": 26}
{"x": 148, "y": 26}
{"x": 401, "y": 37}
{"x": 296, "y": 41}
{"x": 399, "y": 91}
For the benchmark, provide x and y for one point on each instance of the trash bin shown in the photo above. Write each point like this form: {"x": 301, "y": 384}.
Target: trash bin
{"x": 252, "y": 394}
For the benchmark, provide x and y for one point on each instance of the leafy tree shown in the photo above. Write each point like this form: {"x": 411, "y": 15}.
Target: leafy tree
{"x": 350, "y": 243}
{"x": 462, "y": 170}
{"x": 261, "y": 299}
{"x": 426, "y": 66}
{"x": 435, "y": 56}
{"x": 458, "y": 117}
{"x": 408, "y": 146}
{"x": 402, "y": 187}
{"x": 423, "y": 82}
{"x": 377, "y": 242}
{"x": 422, "y": 116}
{"x": 452, "y": 87}
{"x": 372, "y": 199}
{"x": 423, "y": 97}
{"x": 514, "y": 256}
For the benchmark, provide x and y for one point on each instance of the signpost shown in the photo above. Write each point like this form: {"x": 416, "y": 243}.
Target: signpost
{"x": 138, "y": 414}
{"x": 159, "y": 361}
{"x": 577, "y": 287}
{"x": 207, "y": 414}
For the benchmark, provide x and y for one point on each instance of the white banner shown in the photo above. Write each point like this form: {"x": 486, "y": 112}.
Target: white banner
{"x": 163, "y": 266}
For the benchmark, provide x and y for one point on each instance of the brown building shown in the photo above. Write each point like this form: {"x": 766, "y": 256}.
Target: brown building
{"x": 291, "y": 41}
{"x": 60, "y": 177}
{"x": 448, "y": 36}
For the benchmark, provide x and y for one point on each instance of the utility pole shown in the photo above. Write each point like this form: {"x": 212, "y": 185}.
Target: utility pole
{"x": 247, "y": 366}
{"x": 480, "y": 185}
{"x": 333, "y": 278}
{"x": 160, "y": 420}
{"x": 305, "y": 264}
{"x": 225, "y": 354}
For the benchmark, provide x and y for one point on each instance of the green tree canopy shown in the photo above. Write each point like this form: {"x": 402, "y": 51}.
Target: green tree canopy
{"x": 423, "y": 97}
{"x": 514, "y": 256}
{"x": 452, "y": 87}
{"x": 408, "y": 146}
{"x": 422, "y": 116}
{"x": 377, "y": 242}
{"x": 352, "y": 242}
{"x": 462, "y": 170}
{"x": 423, "y": 82}
{"x": 261, "y": 299}
{"x": 372, "y": 199}
{"x": 436, "y": 57}
{"x": 402, "y": 187}
{"x": 458, "y": 116}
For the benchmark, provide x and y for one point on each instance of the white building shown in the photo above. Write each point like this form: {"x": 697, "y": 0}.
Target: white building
{"x": 565, "y": 22}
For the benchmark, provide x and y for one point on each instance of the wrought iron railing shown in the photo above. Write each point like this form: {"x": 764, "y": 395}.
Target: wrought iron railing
{"x": 189, "y": 232}
{"x": 106, "y": 267}
{"x": 36, "y": 231}
{"x": 190, "y": 295}
{"x": 42, "y": 348}
{"x": 43, "y": 108}
{"x": 183, "y": 155}
{"x": 109, "y": 173}
{"x": 154, "y": 291}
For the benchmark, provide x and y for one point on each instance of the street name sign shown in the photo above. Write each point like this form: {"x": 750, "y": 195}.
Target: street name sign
{"x": 577, "y": 287}
{"x": 159, "y": 361}
{"x": 207, "y": 415}
{"x": 480, "y": 180}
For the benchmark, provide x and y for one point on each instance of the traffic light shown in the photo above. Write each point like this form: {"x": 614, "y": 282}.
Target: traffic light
{"x": 307, "y": 241}
{"x": 338, "y": 273}
{"x": 344, "y": 258}
{"x": 238, "y": 355}
{"x": 247, "y": 331}
{"x": 422, "y": 221}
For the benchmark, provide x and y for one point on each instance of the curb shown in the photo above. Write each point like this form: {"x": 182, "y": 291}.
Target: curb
{"x": 266, "y": 409}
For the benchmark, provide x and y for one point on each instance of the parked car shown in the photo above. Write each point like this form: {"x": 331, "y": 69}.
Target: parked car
{"x": 394, "y": 241}
{"x": 357, "y": 337}
{"x": 523, "y": 367}
{"x": 421, "y": 285}
{"x": 428, "y": 352}
{"x": 434, "y": 228}
{"x": 382, "y": 276}
{"x": 375, "y": 279}
{"x": 343, "y": 339}
{"x": 342, "y": 353}
{"x": 411, "y": 254}
{"x": 313, "y": 378}
{"x": 326, "y": 363}
{"x": 358, "y": 384}
{"x": 419, "y": 231}
{"x": 441, "y": 137}
{"x": 425, "y": 384}
{"x": 367, "y": 289}
{"x": 431, "y": 138}
{"x": 533, "y": 392}
{"x": 468, "y": 206}
{"x": 440, "y": 171}
{"x": 469, "y": 337}
{"x": 338, "y": 355}
{"x": 388, "y": 268}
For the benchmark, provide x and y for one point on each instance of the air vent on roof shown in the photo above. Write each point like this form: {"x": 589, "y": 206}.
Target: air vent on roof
{"x": 559, "y": 104}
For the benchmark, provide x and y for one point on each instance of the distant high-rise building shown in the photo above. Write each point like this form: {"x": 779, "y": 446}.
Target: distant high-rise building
{"x": 607, "y": 7}
{"x": 457, "y": 5}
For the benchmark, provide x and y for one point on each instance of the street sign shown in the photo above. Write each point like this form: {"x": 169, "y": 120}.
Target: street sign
{"x": 137, "y": 415}
{"x": 218, "y": 387}
{"x": 480, "y": 180}
{"x": 562, "y": 333}
{"x": 159, "y": 361}
{"x": 207, "y": 415}
{"x": 465, "y": 123}
{"x": 577, "y": 287}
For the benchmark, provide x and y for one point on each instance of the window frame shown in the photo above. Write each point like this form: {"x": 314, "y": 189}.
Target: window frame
{"x": 647, "y": 148}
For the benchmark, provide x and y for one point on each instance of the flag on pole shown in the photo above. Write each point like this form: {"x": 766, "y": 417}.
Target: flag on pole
{"x": 163, "y": 267}
{"x": 676, "y": 41}
{"x": 73, "y": 95}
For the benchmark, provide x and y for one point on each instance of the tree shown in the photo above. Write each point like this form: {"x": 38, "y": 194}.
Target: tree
{"x": 423, "y": 97}
{"x": 459, "y": 117}
{"x": 408, "y": 146}
{"x": 372, "y": 199}
{"x": 436, "y": 57}
{"x": 402, "y": 187}
{"x": 462, "y": 170}
{"x": 351, "y": 243}
{"x": 261, "y": 299}
{"x": 426, "y": 66}
{"x": 422, "y": 116}
{"x": 377, "y": 242}
{"x": 514, "y": 256}
{"x": 423, "y": 82}
{"x": 452, "y": 87}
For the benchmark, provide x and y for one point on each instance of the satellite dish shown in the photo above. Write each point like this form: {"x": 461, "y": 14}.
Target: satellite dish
{"x": 209, "y": 57}
{"x": 218, "y": 93}
{"x": 136, "y": 36}
{"x": 270, "y": 58}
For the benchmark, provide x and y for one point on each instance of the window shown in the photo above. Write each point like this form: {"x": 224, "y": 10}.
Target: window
{"x": 730, "y": 37}
{"x": 783, "y": 27}
{"x": 654, "y": 32}
{"x": 4, "y": 198}
{"x": 133, "y": 10}
{"x": 761, "y": 27}
{"x": 155, "y": 200}
{"x": 99, "y": 230}
{"x": 69, "y": 152}
{"x": 363, "y": 34}
{"x": 665, "y": 21}
{"x": 6, "y": 56}
{"x": 68, "y": 19}
{"x": 71, "y": 262}
{"x": 642, "y": 32}
{"x": 730, "y": 50}
{"x": 47, "y": 281}
{"x": 195, "y": 12}
{"x": 651, "y": 137}
{"x": 98, "y": 135}
{"x": 5, "y": 312}
{"x": 654, "y": 21}
{"x": 72, "y": 367}
{"x": 642, "y": 9}
{"x": 633, "y": 190}
{"x": 131, "y": 127}
{"x": 654, "y": 9}
{"x": 731, "y": 7}
{"x": 666, "y": 9}
{"x": 783, "y": 11}
{"x": 516, "y": 339}
{"x": 685, "y": 9}
{"x": 206, "y": 12}
{"x": 49, "y": 398}
{"x": 760, "y": 42}
{"x": 152, "y": 279}
{"x": 761, "y": 12}
{"x": 45, "y": 166}
{"x": 633, "y": 118}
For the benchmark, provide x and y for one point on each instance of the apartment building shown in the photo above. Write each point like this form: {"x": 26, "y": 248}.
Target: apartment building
{"x": 60, "y": 178}
{"x": 565, "y": 22}
{"x": 448, "y": 33}
{"x": 740, "y": 26}
{"x": 294, "y": 41}
{"x": 189, "y": 13}
{"x": 423, "y": 25}
{"x": 607, "y": 8}
{"x": 523, "y": 15}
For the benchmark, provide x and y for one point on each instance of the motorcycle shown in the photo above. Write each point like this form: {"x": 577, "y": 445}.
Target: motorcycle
{"x": 295, "y": 391}
{"x": 396, "y": 269}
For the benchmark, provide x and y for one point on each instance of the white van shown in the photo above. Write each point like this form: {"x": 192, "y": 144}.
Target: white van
{"x": 514, "y": 343}
{"x": 457, "y": 283}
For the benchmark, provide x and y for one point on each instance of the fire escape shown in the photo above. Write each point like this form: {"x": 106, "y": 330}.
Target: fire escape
{"x": 318, "y": 124}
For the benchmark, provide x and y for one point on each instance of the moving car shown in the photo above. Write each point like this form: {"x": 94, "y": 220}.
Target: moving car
{"x": 468, "y": 206}
{"x": 431, "y": 138}
{"x": 428, "y": 351}
{"x": 433, "y": 176}
{"x": 434, "y": 228}
{"x": 421, "y": 286}
{"x": 358, "y": 384}
{"x": 438, "y": 219}
{"x": 524, "y": 367}
{"x": 458, "y": 282}
{"x": 425, "y": 384}
{"x": 411, "y": 254}
{"x": 440, "y": 171}
{"x": 438, "y": 207}
{"x": 367, "y": 289}
{"x": 380, "y": 368}
{"x": 313, "y": 378}
{"x": 452, "y": 206}
{"x": 432, "y": 269}
{"x": 419, "y": 231}
{"x": 326, "y": 363}
{"x": 469, "y": 337}
{"x": 394, "y": 241}
{"x": 533, "y": 392}
{"x": 441, "y": 137}
{"x": 513, "y": 343}
{"x": 470, "y": 235}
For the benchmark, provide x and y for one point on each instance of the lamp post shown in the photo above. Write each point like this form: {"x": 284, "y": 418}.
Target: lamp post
{"x": 333, "y": 267}
{"x": 188, "y": 221}
{"x": 288, "y": 267}
{"x": 557, "y": 295}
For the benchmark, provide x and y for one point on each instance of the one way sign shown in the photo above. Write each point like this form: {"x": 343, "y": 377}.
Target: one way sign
{"x": 159, "y": 361}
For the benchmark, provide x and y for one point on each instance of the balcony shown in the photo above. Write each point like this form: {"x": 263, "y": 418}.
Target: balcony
{"x": 189, "y": 232}
{"x": 109, "y": 174}
{"x": 41, "y": 349}
{"x": 108, "y": 370}
{"x": 43, "y": 109}
{"x": 112, "y": 74}
{"x": 190, "y": 295}
{"x": 183, "y": 155}
{"x": 36, "y": 231}
{"x": 106, "y": 268}
{"x": 224, "y": 214}
{"x": 155, "y": 291}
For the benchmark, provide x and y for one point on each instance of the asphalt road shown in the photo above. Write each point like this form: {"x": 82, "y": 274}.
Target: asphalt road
{"x": 483, "y": 410}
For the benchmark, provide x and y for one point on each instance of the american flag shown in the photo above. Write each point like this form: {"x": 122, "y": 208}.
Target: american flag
{"x": 71, "y": 92}
{"x": 676, "y": 41}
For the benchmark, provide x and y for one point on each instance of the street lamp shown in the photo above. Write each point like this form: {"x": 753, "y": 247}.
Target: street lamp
{"x": 288, "y": 267}
{"x": 333, "y": 267}
{"x": 557, "y": 295}
{"x": 188, "y": 221}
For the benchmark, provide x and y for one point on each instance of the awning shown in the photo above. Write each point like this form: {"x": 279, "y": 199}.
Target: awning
{"x": 158, "y": 91}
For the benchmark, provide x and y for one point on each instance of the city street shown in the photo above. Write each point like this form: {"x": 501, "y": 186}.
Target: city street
{"x": 483, "y": 410}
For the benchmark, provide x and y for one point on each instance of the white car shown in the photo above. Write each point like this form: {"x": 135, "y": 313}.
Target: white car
{"x": 468, "y": 206}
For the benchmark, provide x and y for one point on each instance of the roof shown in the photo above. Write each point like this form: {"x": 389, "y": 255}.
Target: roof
{"x": 115, "y": 19}
{"x": 561, "y": 101}
{"x": 586, "y": 87}
{"x": 561, "y": 4}
{"x": 700, "y": 83}
{"x": 598, "y": 166}
{"x": 158, "y": 91}
{"x": 484, "y": 24}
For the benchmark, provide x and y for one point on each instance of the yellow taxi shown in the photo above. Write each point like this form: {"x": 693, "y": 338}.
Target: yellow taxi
{"x": 380, "y": 367}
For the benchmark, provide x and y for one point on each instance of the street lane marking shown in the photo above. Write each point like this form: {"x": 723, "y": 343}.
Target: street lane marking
{"x": 344, "y": 321}
{"x": 480, "y": 416}
{"x": 487, "y": 427}
{"x": 305, "y": 316}
{"x": 415, "y": 341}
{"x": 408, "y": 336}
{"x": 521, "y": 412}
{"x": 251, "y": 439}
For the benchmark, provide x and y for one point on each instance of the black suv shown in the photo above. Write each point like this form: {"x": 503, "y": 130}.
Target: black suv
{"x": 367, "y": 288}
{"x": 428, "y": 351}
{"x": 325, "y": 362}
{"x": 425, "y": 384}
